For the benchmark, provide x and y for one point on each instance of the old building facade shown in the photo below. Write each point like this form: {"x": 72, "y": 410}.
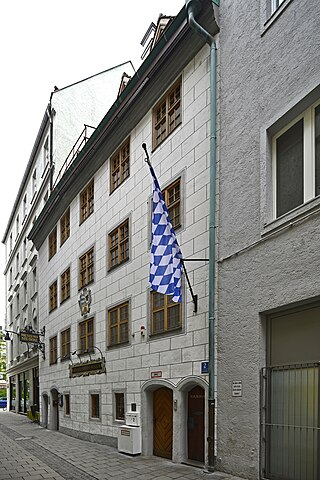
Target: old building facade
{"x": 111, "y": 342}
{"x": 68, "y": 122}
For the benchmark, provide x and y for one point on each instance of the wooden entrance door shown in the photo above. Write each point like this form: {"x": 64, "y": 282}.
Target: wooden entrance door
{"x": 162, "y": 422}
{"x": 196, "y": 424}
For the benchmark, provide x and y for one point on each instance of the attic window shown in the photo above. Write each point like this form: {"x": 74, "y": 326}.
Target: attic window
{"x": 125, "y": 79}
{"x": 155, "y": 30}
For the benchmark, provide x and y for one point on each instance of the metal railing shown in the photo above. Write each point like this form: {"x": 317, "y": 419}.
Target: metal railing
{"x": 74, "y": 152}
{"x": 290, "y": 421}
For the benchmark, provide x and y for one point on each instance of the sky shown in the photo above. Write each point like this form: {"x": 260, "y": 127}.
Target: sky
{"x": 44, "y": 44}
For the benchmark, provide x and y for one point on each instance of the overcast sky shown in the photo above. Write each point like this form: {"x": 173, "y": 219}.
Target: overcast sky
{"x": 45, "y": 43}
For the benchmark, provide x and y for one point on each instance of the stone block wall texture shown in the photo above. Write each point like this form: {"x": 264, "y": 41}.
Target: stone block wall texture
{"x": 185, "y": 153}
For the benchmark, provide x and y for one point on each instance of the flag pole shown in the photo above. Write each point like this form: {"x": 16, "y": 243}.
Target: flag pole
{"x": 194, "y": 297}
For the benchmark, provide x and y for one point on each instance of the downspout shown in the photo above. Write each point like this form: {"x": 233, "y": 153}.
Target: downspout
{"x": 51, "y": 166}
{"x": 193, "y": 8}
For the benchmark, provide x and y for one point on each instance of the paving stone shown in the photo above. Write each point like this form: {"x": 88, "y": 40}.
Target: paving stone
{"x": 31, "y": 452}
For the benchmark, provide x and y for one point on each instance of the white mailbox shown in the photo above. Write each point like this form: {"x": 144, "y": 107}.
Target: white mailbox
{"x": 129, "y": 440}
{"x": 133, "y": 419}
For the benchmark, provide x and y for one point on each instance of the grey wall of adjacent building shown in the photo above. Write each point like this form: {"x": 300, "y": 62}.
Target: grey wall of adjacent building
{"x": 269, "y": 74}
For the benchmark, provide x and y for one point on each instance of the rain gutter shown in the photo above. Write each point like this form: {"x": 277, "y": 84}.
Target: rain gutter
{"x": 194, "y": 7}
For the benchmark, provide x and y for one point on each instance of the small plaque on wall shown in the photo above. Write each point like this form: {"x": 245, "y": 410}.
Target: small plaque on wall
{"x": 157, "y": 374}
{"x": 237, "y": 388}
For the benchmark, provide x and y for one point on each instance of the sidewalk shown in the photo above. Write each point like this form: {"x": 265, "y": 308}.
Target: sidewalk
{"x": 30, "y": 452}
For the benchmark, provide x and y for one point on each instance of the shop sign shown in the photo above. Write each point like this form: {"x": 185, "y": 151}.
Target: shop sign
{"x": 91, "y": 367}
{"x": 29, "y": 337}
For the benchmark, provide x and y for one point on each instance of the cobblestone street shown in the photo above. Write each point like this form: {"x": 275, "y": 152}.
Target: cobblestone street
{"x": 30, "y": 452}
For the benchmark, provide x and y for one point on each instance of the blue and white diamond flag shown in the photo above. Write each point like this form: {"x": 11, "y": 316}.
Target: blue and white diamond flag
{"x": 166, "y": 256}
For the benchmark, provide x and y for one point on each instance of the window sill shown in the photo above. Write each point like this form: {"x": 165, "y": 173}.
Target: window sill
{"x": 84, "y": 219}
{"x": 275, "y": 15}
{"x": 118, "y": 423}
{"x": 119, "y": 345}
{"x": 64, "y": 241}
{"x": 85, "y": 285}
{"x": 52, "y": 310}
{"x": 165, "y": 333}
{"x": 288, "y": 219}
{"x": 46, "y": 168}
{"x": 117, "y": 187}
{"x": 118, "y": 265}
{"x": 64, "y": 300}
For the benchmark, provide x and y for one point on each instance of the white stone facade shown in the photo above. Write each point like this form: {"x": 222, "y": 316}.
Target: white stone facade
{"x": 177, "y": 355}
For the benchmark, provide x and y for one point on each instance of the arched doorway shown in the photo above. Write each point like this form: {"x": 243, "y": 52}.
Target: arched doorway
{"x": 162, "y": 422}
{"x": 196, "y": 416}
{"x": 54, "y": 410}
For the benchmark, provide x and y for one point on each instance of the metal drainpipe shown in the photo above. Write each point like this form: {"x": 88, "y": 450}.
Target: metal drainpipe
{"x": 193, "y": 8}
{"x": 50, "y": 112}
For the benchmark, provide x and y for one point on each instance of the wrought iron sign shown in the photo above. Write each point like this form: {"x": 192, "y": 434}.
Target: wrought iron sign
{"x": 90, "y": 367}
{"x": 28, "y": 335}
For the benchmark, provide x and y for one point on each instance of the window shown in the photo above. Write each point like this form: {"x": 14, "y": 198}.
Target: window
{"x": 25, "y": 206}
{"x": 17, "y": 226}
{"x": 119, "y": 245}
{"x": 167, "y": 114}
{"x": 86, "y": 202}
{"x": 166, "y": 315}
{"x": 53, "y": 296}
{"x": 53, "y": 243}
{"x": 172, "y": 198}
{"x": 95, "y": 405}
{"x": 65, "y": 285}
{"x": 34, "y": 182}
{"x": 118, "y": 324}
{"x": 53, "y": 350}
{"x": 67, "y": 404}
{"x": 296, "y": 162}
{"x": 275, "y": 4}
{"x": 119, "y": 406}
{"x": 86, "y": 273}
{"x": 65, "y": 227}
{"x": 34, "y": 281}
{"x": 24, "y": 248}
{"x": 17, "y": 263}
{"x": 120, "y": 166}
{"x": 10, "y": 276}
{"x": 86, "y": 335}
{"x": 11, "y": 242}
{"x": 25, "y": 293}
{"x": 65, "y": 344}
{"x": 46, "y": 153}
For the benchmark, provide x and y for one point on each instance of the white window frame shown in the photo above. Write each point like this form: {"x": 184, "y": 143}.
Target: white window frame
{"x": 275, "y": 4}
{"x": 308, "y": 117}
{"x": 46, "y": 153}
